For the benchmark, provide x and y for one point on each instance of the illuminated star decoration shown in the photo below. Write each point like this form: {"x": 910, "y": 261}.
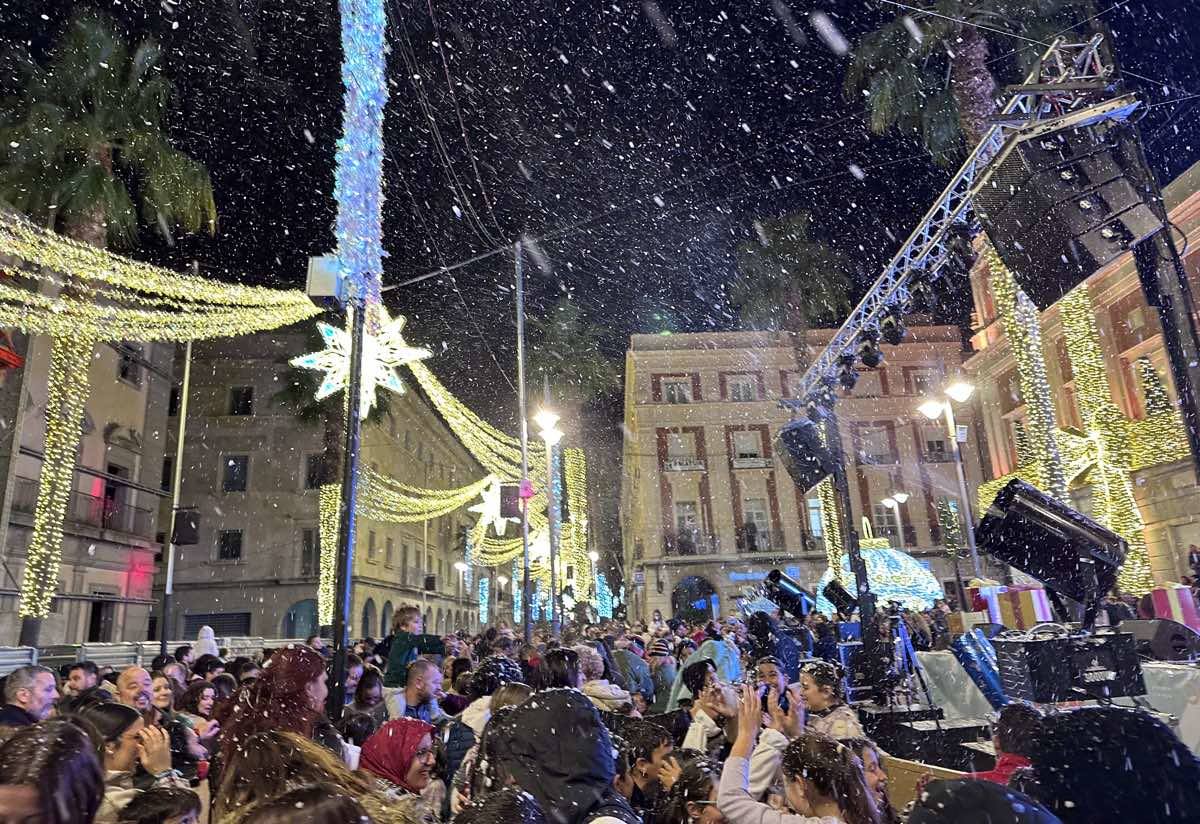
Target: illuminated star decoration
{"x": 489, "y": 508}
{"x": 381, "y": 356}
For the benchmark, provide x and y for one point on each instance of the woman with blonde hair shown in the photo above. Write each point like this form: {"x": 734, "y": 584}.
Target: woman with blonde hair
{"x": 269, "y": 764}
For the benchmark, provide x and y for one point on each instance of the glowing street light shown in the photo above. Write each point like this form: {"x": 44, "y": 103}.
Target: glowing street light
{"x": 957, "y": 391}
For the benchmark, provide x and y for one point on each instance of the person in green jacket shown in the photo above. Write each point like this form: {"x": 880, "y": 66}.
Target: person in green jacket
{"x": 408, "y": 643}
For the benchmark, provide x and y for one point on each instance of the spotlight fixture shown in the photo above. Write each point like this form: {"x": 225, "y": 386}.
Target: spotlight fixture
{"x": 847, "y": 374}
{"x": 891, "y": 326}
{"x": 868, "y": 350}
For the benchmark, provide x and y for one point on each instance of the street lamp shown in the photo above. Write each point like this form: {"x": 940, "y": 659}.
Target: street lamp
{"x": 546, "y": 420}
{"x": 943, "y": 406}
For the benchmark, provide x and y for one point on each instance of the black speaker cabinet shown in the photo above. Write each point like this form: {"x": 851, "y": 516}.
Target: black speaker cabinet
{"x": 1046, "y": 670}
{"x": 1163, "y": 640}
{"x": 187, "y": 527}
{"x": 1059, "y": 206}
{"x": 804, "y": 455}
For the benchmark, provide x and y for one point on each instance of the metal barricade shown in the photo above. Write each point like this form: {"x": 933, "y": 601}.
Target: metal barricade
{"x": 12, "y": 658}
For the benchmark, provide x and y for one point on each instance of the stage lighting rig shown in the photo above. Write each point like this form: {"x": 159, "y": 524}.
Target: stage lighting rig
{"x": 868, "y": 349}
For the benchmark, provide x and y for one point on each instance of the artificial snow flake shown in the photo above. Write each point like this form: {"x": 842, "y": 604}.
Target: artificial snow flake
{"x": 489, "y": 508}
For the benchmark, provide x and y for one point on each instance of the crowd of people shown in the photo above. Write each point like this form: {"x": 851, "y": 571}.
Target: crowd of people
{"x": 664, "y": 722}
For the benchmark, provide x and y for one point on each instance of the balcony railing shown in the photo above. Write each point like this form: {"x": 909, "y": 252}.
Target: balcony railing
{"x": 90, "y": 510}
{"x": 884, "y": 459}
{"x": 936, "y": 457}
{"x": 691, "y": 542}
{"x": 749, "y": 540}
{"x": 752, "y": 462}
{"x": 683, "y": 463}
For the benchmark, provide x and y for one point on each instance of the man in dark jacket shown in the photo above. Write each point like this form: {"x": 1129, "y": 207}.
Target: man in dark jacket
{"x": 634, "y": 669}
{"x": 462, "y": 733}
{"x": 408, "y": 642}
{"x": 29, "y": 695}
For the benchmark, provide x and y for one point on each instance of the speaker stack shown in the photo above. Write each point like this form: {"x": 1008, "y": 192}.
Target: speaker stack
{"x": 804, "y": 455}
{"x": 1059, "y": 206}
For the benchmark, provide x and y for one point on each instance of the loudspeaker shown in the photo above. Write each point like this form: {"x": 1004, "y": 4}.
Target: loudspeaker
{"x": 787, "y": 594}
{"x": 1059, "y": 206}
{"x": 804, "y": 455}
{"x": 1163, "y": 640}
{"x": 187, "y": 527}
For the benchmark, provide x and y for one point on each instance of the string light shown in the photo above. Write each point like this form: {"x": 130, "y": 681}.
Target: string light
{"x": 489, "y": 508}
{"x": 1022, "y": 327}
{"x": 604, "y": 597}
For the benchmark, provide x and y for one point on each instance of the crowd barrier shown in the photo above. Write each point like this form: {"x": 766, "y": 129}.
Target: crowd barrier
{"x": 127, "y": 653}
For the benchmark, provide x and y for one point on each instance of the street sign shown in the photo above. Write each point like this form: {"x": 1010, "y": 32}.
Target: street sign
{"x": 510, "y": 501}
{"x": 639, "y": 578}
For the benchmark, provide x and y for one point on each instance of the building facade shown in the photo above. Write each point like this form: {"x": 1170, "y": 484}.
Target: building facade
{"x": 707, "y": 509}
{"x": 109, "y": 547}
{"x": 1130, "y": 340}
{"x": 253, "y": 471}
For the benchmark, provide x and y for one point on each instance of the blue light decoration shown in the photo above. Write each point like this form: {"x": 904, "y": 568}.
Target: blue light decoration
{"x": 604, "y": 597}
{"x": 358, "y": 177}
{"x": 535, "y": 606}
{"x": 483, "y": 600}
{"x": 894, "y": 576}
{"x": 516, "y": 594}
{"x": 556, "y": 487}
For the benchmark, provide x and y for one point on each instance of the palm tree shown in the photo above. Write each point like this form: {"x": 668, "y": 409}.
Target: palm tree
{"x": 790, "y": 280}
{"x": 565, "y": 348}
{"x": 932, "y": 75}
{"x": 84, "y": 140}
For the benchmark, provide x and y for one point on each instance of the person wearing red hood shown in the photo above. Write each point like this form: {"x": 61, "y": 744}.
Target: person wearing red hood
{"x": 400, "y": 755}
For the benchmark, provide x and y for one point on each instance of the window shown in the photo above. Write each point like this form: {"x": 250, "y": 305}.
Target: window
{"x": 173, "y": 401}
{"x": 883, "y": 520}
{"x": 314, "y": 471}
{"x": 870, "y": 383}
{"x": 875, "y": 445}
{"x": 388, "y": 552}
{"x": 168, "y": 474}
{"x": 308, "y": 552}
{"x": 756, "y": 524}
{"x": 934, "y": 446}
{"x": 371, "y": 545}
{"x": 686, "y": 517}
{"x": 923, "y": 381}
{"x": 678, "y": 390}
{"x": 816, "y": 526}
{"x": 1136, "y": 319}
{"x": 742, "y": 387}
{"x": 129, "y": 363}
{"x": 229, "y": 545}
{"x": 747, "y": 444}
{"x": 681, "y": 445}
{"x": 241, "y": 400}
{"x": 237, "y": 467}
{"x": 403, "y": 563}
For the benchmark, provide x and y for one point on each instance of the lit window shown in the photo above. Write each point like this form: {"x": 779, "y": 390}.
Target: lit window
{"x": 747, "y": 444}
{"x": 742, "y": 388}
{"x": 677, "y": 391}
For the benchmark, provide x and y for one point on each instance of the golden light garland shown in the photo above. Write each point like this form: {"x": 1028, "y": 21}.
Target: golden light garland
{"x": 80, "y": 296}
{"x": 1022, "y": 327}
{"x": 831, "y": 525}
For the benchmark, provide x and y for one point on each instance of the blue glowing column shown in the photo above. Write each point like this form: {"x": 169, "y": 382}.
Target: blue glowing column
{"x": 358, "y": 189}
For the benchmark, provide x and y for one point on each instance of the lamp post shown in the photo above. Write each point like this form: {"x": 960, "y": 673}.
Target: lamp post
{"x": 546, "y": 421}
{"x": 943, "y": 406}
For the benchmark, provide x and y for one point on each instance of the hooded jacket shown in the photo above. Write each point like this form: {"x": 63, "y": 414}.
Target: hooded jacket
{"x": 463, "y": 732}
{"x": 636, "y": 673}
{"x": 724, "y": 654}
{"x": 556, "y": 748}
{"x": 967, "y": 801}
{"x": 606, "y": 696}
{"x": 206, "y": 643}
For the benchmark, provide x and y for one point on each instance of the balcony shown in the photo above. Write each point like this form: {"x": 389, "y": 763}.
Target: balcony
{"x": 884, "y": 459}
{"x": 751, "y": 462}
{"x": 691, "y": 542}
{"x": 683, "y": 463}
{"x": 749, "y": 540}
{"x": 936, "y": 457}
{"x": 90, "y": 510}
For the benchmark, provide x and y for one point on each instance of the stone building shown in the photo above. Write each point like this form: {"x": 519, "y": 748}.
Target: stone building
{"x": 707, "y": 509}
{"x": 253, "y": 471}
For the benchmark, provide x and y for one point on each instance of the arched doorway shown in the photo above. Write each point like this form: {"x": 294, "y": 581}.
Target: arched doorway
{"x": 368, "y": 618}
{"x": 385, "y": 620}
{"x": 300, "y": 621}
{"x": 695, "y": 599}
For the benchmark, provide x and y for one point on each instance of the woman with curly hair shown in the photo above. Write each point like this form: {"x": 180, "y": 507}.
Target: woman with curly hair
{"x": 693, "y": 796}
{"x": 269, "y": 764}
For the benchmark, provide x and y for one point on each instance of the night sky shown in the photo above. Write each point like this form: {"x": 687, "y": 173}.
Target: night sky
{"x": 636, "y": 142}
